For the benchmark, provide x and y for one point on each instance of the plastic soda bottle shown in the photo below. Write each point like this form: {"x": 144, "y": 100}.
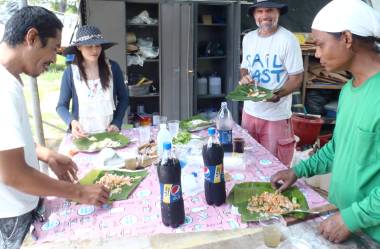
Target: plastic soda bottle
{"x": 215, "y": 186}
{"x": 169, "y": 175}
{"x": 224, "y": 125}
{"x": 163, "y": 136}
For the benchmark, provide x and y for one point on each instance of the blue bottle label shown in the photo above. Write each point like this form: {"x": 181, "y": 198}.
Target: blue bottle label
{"x": 225, "y": 136}
{"x": 214, "y": 174}
{"x": 170, "y": 193}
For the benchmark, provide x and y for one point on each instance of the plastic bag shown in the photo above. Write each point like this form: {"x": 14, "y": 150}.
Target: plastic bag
{"x": 135, "y": 60}
{"x": 143, "y": 18}
{"x": 149, "y": 52}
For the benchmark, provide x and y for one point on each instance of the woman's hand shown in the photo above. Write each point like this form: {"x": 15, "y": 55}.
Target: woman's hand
{"x": 113, "y": 128}
{"x": 76, "y": 129}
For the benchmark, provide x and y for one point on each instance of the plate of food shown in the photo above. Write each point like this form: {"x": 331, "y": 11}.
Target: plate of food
{"x": 99, "y": 141}
{"x": 248, "y": 92}
{"x": 255, "y": 199}
{"x": 120, "y": 182}
{"x": 196, "y": 123}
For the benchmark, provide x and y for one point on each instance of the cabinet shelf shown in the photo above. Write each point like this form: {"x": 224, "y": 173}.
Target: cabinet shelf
{"x": 152, "y": 60}
{"x": 141, "y": 25}
{"x": 324, "y": 86}
{"x": 212, "y": 25}
{"x": 152, "y": 95}
{"x": 212, "y": 57}
{"x": 211, "y": 96}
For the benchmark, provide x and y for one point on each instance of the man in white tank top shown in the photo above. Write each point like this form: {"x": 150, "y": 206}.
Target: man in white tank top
{"x": 272, "y": 58}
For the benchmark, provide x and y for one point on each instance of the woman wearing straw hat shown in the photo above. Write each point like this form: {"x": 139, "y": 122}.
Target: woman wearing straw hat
{"x": 345, "y": 40}
{"x": 94, "y": 84}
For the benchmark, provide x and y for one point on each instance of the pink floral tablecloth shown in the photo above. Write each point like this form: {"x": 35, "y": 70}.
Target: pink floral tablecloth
{"x": 140, "y": 214}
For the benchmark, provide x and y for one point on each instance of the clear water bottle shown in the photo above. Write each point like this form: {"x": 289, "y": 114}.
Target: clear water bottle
{"x": 162, "y": 136}
{"x": 224, "y": 125}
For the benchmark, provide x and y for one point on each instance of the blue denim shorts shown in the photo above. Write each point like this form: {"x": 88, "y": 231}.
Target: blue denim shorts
{"x": 14, "y": 229}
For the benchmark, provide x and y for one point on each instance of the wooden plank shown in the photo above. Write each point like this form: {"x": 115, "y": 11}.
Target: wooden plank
{"x": 209, "y": 240}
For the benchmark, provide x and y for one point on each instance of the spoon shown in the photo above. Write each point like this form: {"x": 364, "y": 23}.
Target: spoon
{"x": 304, "y": 211}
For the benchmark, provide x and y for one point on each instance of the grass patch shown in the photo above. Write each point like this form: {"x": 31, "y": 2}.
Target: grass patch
{"x": 48, "y": 88}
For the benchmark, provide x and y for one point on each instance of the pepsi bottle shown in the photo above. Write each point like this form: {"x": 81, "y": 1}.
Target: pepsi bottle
{"x": 215, "y": 186}
{"x": 169, "y": 175}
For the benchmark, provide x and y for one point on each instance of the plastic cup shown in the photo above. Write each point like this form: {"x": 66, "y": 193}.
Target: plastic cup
{"x": 144, "y": 134}
{"x": 173, "y": 126}
{"x": 238, "y": 145}
{"x": 163, "y": 119}
{"x": 272, "y": 229}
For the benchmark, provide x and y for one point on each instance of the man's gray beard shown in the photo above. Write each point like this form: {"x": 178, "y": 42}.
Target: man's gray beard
{"x": 268, "y": 27}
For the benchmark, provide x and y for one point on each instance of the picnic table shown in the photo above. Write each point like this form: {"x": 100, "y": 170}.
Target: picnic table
{"x": 136, "y": 222}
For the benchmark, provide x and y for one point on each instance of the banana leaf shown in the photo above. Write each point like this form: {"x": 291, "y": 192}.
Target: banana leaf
{"x": 94, "y": 175}
{"x": 84, "y": 144}
{"x": 188, "y": 126}
{"x": 240, "y": 194}
{"x": 240, "y": 93}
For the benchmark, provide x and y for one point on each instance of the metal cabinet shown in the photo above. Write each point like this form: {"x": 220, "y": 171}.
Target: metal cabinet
{"x": 183, "y": 31}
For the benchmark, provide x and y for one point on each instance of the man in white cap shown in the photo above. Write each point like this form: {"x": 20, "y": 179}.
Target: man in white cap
{"x": 272, "y": 59}
{"x": 345, "y": 40}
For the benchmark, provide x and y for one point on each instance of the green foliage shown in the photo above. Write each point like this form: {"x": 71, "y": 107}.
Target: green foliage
{"x": 83, "y": 144}
{"x": 240, "y": 93}
{"x": 187, "y": 123}
{"x": 240, "y": 194}
{"x": 94, "y": 175}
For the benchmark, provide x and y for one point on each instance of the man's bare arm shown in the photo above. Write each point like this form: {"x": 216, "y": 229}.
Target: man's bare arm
{"x": 14, "y": 172}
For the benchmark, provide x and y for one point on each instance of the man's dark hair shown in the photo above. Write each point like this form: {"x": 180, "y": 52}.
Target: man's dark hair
{"x": 44, "y": 21}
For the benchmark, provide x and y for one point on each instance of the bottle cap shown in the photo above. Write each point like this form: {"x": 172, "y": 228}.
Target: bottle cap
{"x": 211, "y": 131}
{"x": 167, "y": 146}
{"x": 224, "y": 104}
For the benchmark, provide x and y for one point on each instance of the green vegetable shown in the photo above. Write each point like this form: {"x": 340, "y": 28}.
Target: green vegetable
{"x": 240, "y": 194}
{"x": 182, "y": 138}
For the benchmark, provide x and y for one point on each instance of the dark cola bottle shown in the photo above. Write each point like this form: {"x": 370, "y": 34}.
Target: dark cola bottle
{"x": 215, "y": 186}
{"x": 169, "y": 175}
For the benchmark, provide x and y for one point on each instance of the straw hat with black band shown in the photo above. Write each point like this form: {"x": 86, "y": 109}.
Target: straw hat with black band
{"x": 88, "y": 35}
{"x": 283, "y": 7}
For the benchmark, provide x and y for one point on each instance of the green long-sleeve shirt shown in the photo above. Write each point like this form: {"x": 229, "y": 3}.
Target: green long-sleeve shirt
{"x": 353, "y": 157}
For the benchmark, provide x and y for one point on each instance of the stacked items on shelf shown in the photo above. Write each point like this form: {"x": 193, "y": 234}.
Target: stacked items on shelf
{"x": 142, "y": 38}
{"x": 138, "y": 48}
{"x": 306, "y": 42}
{"x": 318, "y": 75}
{"x": 211, "y": 65}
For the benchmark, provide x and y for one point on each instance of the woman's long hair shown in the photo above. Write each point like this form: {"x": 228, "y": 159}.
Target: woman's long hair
{"x": 104, "y": 71}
